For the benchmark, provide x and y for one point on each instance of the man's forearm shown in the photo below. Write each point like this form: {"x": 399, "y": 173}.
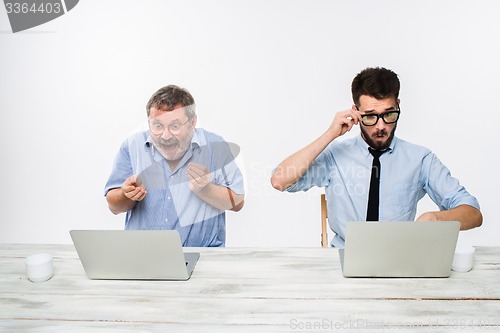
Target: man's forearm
{"x": 295, "y": 166}
{"x": 468, "y": 216}
{"x": 221, "y": 197}
{"x": 118, "y": 202}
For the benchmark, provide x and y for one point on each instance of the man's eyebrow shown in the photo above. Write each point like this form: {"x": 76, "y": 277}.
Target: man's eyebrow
{"x": 369, "y": 111}
{"x": 391, "y": 108}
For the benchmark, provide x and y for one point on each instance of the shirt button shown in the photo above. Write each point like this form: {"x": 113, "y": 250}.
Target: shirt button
{"x": 166, "y": 220}
{"x": 168, "y": 198}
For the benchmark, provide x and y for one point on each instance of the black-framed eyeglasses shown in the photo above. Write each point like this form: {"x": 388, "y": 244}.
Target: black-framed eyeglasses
{"x": 158, "y": 128}
{"x": 389, "y": 117}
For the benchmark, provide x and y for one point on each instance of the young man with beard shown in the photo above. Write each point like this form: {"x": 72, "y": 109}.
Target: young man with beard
{"x": 344, "y": 167}
{"x": 175, "y": 176}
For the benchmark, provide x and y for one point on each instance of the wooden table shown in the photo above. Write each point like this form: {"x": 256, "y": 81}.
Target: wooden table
{"x": 247, "y": 290}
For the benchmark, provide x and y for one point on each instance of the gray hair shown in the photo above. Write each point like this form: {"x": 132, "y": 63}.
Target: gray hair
{"x": 170, "y": 97}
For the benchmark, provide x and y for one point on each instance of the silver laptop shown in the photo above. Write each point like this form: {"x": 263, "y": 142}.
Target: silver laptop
{"x": 133, "y": 254}
{"x": 399, "y": 249}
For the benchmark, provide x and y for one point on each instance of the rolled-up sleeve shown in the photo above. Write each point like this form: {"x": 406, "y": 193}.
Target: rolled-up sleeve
{"x": 122, "y": 169}
{"x": 445, "y": 190}
{"x": 318, "y": 175}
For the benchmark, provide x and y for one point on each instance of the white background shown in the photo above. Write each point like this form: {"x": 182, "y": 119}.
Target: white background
{"x": 267, "y": 75}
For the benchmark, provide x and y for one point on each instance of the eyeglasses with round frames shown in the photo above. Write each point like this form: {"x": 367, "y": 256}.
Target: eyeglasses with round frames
{"x": 158, "y": 128}
{"x": 389, "y": 117}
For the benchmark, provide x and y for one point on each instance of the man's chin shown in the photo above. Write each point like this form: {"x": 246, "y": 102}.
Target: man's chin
{"x": 380, "y": 144}
{"x": 172, "y": 157}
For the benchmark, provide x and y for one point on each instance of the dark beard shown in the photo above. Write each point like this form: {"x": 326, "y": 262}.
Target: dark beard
{"x": 373, "y": 144}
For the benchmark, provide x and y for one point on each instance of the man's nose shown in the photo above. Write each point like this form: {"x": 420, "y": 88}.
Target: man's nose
{"x": 380, "y": 124}
{"x": 166, "y": 134}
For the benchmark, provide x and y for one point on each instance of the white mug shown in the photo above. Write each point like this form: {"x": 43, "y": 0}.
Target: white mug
{"x": 463, "y": 259}
{"x": 39, "y": 267}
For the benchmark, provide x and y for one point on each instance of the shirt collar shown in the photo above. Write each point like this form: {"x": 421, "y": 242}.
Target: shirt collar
{"x": 196, "y": 141}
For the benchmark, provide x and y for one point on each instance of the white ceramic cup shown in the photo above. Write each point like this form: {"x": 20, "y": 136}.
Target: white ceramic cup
{"x": 463, "y": 259}
{"x": 39, "y": 267}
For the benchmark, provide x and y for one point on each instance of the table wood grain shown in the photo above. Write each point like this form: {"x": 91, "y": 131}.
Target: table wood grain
{"x": 247, "y": 290}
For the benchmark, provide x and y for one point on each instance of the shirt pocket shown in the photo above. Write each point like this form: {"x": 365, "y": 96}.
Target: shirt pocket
{"x": 404, "y": 199}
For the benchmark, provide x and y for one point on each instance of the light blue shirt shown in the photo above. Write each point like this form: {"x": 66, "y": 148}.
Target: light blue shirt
{"x": 169, "y": 203}
{"x": 408, "y": 172}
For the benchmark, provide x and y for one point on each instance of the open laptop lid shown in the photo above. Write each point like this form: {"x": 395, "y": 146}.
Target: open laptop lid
{"x": 399, "y": 249}
{"x": 133, "y": 254}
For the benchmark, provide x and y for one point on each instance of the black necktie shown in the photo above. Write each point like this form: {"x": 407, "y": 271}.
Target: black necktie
{"x": 373, "y": 195}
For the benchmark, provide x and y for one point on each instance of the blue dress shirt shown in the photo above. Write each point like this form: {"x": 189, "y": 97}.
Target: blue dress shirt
{"x": 408, "y": 172}
{"x": 169, "y": 203}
